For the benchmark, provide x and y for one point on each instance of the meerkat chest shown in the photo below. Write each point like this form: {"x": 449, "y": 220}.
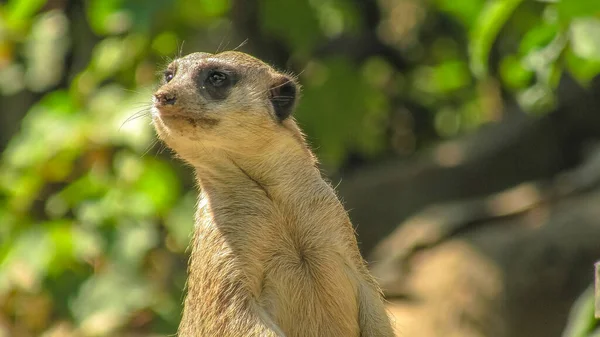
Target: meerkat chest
{"x": 312, "y": 294}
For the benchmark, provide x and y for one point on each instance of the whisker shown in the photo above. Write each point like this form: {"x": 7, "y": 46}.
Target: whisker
{"x": 142, "y": 113}
{"x": 150, "y": 147}
{"x": 133, "y": 91}
{"x": 181, "y": 49}
{"x": 143, "y": 104}
{"x": 167, "y": 59}
{"x": 132, "y": 119}
{"x": 278, "y": 86}
{"x": 138, "y": 113}
{"x": 162, "y": 147}
{"x": 226, "y": 37}
{"x": 300, "y": 73}
{"x": 241, "y": 44}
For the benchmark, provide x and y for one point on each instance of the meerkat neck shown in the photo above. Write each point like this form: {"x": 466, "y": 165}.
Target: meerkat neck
{"x": 284, "y": 171}
{"x": 249, "y": 202}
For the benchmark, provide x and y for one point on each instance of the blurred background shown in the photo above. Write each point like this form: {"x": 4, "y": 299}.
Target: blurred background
{"x": 462, "y": 136}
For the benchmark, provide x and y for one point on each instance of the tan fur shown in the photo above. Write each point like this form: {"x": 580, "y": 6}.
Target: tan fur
{"x": 274, "y": 252}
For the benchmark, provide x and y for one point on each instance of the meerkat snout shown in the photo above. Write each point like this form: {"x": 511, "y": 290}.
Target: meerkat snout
{"x": 164, "y": 98}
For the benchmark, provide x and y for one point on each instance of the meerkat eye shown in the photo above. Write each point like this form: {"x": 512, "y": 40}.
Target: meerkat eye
{"x": 215, "y": 83}
{"x": 217, "y": 78}
{"x": 169, "y": 76}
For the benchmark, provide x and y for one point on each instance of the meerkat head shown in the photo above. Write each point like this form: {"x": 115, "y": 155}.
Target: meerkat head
{"x": 227, "y": 101}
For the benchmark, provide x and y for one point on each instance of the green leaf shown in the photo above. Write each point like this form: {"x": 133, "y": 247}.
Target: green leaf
{"x": 544, "y": 62}
{"x": 466, "y": 11}
{"x": 584, "y": 70}
{"x": 165, "y": 43}
{"x": 537, "y": 37}
{"x": 106, "y": 16}
{"x": 581, "y": 318}
{"x": 61, "y": 235}
{"x": 158, "y": 185}
{"x": 570, "y": 9}
{"x": 114, "y": 54}
{"x": 18, "y": 12}
{"x": 49, "y": 127}
{"x": 585, "y": 38}
{"x": 22, "y": 189}
{"x": 484, "y": 33}
{"x": 514, "y": 75}
{"x": 91, "y": 185}
{"x": 201, "y": 12}
{"x": 442, "y": 79}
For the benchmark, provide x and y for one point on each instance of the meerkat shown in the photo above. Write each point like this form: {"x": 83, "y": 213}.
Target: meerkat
{"x": 273, "y": 252}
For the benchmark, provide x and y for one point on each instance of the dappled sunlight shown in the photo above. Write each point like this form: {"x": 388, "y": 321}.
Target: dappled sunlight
{"x": 515, "y": 200}
{"x": 451, "y": 285}
{"x": 449, "y": 154}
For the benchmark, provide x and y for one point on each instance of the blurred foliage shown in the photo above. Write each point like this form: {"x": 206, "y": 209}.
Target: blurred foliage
{"x": 581, "y": 319}
{"x": 95, "y": 220}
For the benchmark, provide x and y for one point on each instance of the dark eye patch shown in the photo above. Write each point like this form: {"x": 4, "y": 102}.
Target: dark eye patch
{"x": 215, "y": 83}
{"x": 217, "y": 79}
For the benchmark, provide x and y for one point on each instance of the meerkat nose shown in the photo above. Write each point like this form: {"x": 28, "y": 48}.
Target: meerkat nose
{"x": 165, "y": 98}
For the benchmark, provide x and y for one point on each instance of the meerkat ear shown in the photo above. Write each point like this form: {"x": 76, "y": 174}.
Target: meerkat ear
{"x": 283, "y": 96}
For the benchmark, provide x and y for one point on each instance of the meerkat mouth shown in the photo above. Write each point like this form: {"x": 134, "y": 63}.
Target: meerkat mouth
{"x": 163, "y": 111}
{"x": 195, "y": 120}
{"x": 172, "y": 114}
